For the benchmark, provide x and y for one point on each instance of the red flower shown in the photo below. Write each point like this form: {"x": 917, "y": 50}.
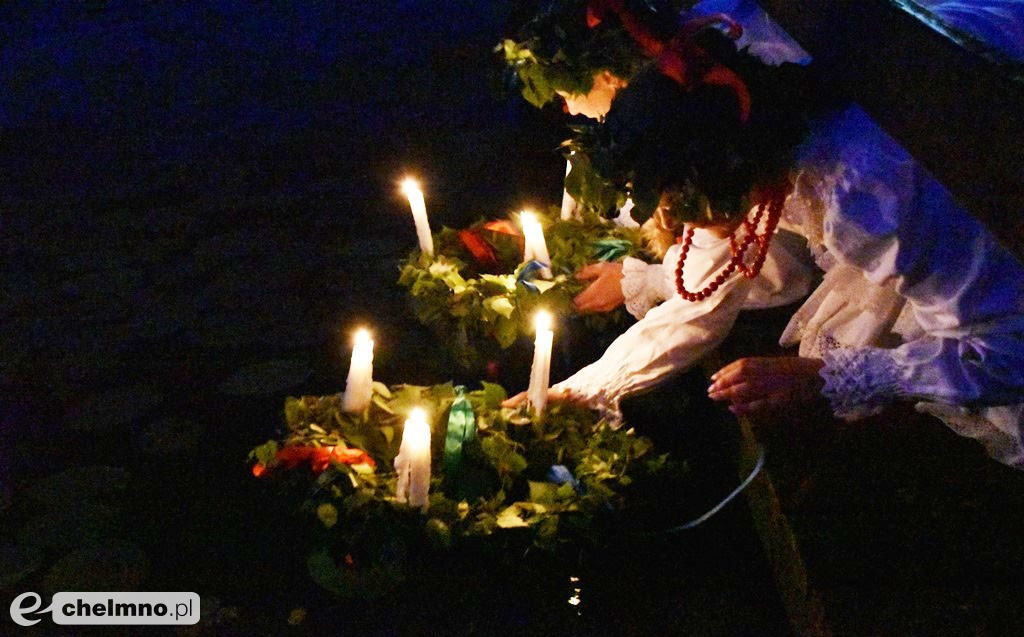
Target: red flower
{"x": 319, "y": 458}
{"x": 480, "y": 249}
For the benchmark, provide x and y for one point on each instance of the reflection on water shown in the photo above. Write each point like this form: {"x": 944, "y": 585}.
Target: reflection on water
{"x": 576, "y": 599}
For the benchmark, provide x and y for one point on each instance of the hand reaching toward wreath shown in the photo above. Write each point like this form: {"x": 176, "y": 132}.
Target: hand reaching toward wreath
{"x": 554, "y": 395}
{"x": 605, "y": 293}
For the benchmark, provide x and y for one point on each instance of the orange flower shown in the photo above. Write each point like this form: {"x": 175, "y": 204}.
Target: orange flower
{"x": 319, "y": 458}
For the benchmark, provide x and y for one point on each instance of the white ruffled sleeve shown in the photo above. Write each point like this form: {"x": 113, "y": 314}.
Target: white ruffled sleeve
{"x": 669, "y": 339}
{"x": 891, "y": 220}
{"x": 645, "y": 285}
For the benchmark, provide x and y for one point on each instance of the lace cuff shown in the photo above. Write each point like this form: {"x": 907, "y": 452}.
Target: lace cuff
{"x": 637, "y": 289}
{"x": 859, "y": 382}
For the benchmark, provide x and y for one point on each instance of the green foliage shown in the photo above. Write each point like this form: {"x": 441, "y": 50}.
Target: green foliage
{"x": 474, "y": 306}
{"x": 559, "y": 50}
{"x": 502, "y": 489}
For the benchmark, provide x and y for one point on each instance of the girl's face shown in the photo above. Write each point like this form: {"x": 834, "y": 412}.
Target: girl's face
{"x": 598, "y": 101}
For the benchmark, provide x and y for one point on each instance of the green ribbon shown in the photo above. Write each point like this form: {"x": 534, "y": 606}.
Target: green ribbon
{"x": 461, "y": 429}
{"x": 610, "y": 249}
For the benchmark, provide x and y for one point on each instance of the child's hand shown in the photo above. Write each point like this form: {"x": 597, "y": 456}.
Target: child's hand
{"x": 605, "y": 293}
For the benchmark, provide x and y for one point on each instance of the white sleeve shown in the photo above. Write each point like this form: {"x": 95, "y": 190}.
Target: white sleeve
{"x": 898, "y": 226}
{"x": 669, "y": 339}
{"x": 786, "y": 275}
{"x": 645, "y": 285}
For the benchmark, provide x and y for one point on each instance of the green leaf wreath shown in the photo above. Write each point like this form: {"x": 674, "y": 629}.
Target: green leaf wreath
{"x": 519, "y": 481}
{"x": 476, "y": 292}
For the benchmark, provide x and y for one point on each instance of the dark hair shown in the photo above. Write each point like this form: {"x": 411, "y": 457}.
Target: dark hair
{"x": 662, "y": 136}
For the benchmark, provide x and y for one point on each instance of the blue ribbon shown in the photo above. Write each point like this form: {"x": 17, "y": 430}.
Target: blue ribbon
{"x": 560, "y": 474}
{"x": 718, "y": 507}
{"x": 529, "y": 271}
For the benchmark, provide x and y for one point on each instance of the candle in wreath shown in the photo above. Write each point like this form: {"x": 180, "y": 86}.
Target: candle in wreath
{"x": 568, "y": 203}
{"x": 534, "y": 246}
{"x": 412, "y": 464}
{"x": 419, "y": 215}
{"x": 540, "y": 372}
{"x": 359, "y": 384}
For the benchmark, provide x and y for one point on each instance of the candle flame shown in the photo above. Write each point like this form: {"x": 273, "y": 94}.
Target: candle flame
{"x": 410, "y": 186}
{"x": 527, "y": 218}
{"x": 362, "y": 336}
{"x": 418, "y": 415}
{"x": 542, "y": 321}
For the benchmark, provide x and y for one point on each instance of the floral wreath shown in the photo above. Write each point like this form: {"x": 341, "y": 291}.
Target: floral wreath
{"x": 476, "y": 292}
{"x": 509, "y": 478}
{"x": 569, "y": 41}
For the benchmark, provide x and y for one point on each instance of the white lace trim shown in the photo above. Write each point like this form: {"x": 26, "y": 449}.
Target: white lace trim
{"x": 998, "y": 429}
{"x": 859, "y": 382}
{"x": 635, "y": 289}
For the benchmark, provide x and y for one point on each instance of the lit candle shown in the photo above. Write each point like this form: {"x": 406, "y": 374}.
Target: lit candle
{"x": 419, "y": 215}
{"x": 359, "y": 385}
{"x": 568, "y": 203}
{"x": 413, "y": 461}
{"x": 534, "y": 246}
{"x": 540, "y": 372}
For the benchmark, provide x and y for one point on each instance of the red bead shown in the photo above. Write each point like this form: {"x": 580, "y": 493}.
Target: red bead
{"x": 713, "y": 286}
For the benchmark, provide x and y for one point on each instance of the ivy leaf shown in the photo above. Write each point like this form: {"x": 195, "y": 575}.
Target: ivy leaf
{"x": 265, "y": 454}
{"x": 505, "y": 332}
{"x": 543, "y": 285}
{"x": 543, "y": 492}
{"x": 511, "y": 518}
{"x": 500, "y": 305}
{"x": 494, "y": 395}
{"x": 328, "y": 514}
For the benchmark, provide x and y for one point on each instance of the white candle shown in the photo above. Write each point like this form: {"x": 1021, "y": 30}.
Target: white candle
{"x": 540, "y": 372}
{"x": 359, "y": 385}
{"x": 413, "y": 461}
{"x": 419, "y": 215}
{"x": 534, "y": 246}
{"x": 568, "y": 203}
{"x": 625, "y": 218}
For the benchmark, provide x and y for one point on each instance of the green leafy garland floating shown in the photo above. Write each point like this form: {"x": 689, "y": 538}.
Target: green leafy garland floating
{"x": 474, "y": 291}
{"x": 544, "y": 482}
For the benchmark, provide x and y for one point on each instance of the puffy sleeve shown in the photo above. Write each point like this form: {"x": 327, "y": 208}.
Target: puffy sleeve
{"x": 645, "y": 285}
{"x": 670, "y": 338}
{"x": 785, "y": 277}
{"x": 891, "y": 220}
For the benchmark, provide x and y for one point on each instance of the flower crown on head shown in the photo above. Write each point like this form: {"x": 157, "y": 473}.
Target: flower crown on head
{"x": 568, "y": 42}
{"x": 703, "y": 122}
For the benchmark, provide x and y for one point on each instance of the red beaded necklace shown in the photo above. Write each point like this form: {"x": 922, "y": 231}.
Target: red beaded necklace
{"x": 739, "y": 249}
